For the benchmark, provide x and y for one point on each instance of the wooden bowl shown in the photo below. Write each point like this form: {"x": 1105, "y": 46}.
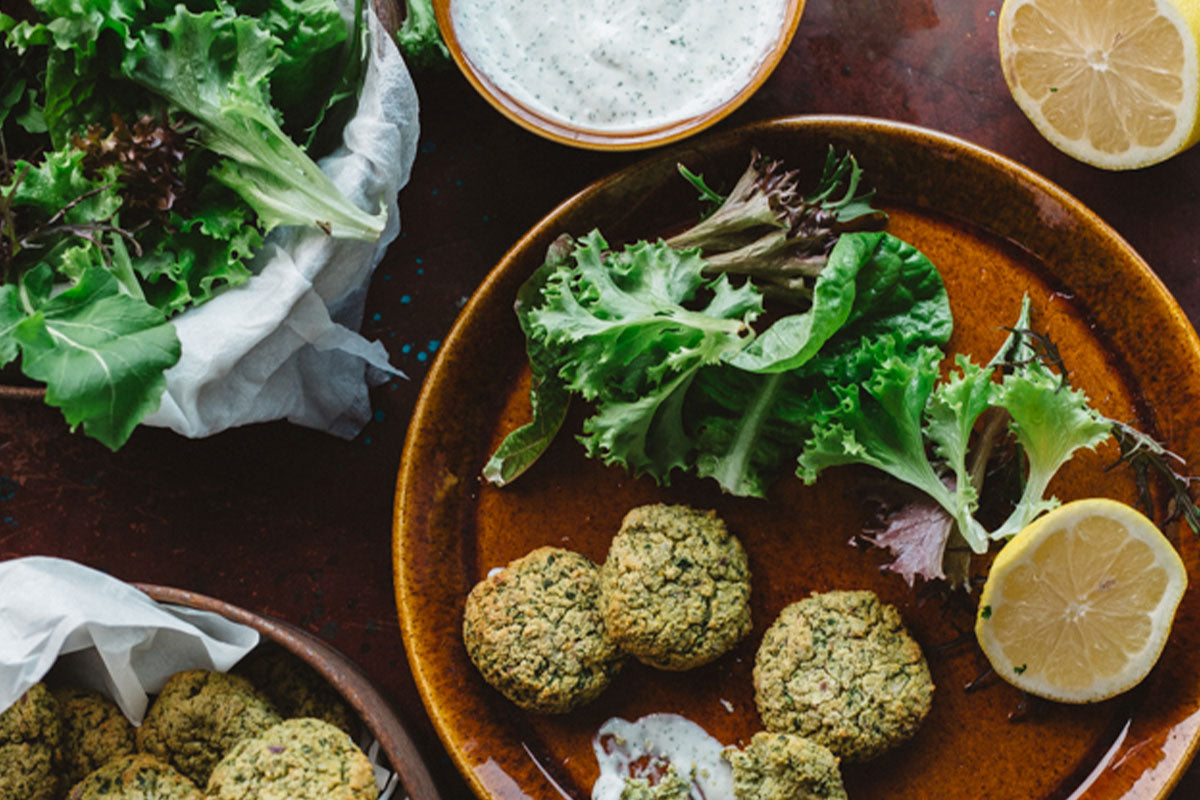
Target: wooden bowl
{"x": 356, "y": 689}
{"x": 591, "y": 139}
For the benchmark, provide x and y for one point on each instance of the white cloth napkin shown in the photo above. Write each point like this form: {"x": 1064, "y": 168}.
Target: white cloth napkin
{"x": 284, "y": 345}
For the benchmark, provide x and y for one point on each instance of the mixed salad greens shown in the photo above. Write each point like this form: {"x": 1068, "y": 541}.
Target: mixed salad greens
{"x": 681, "y": 373}
{"x": 146, "y": 147}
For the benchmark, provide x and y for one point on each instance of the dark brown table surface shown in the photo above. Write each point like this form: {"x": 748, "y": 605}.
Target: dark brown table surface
{"x": 297, "y": 524}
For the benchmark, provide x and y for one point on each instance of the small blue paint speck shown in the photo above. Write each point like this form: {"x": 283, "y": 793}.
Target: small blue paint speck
{"x": 458, "y": 182}
{"x": 433, "y": 191}
{"x": 379, "y": 415}
{"x": 428, "y": 147}
{"x": 10, "y": 521}
{"x": 8, "y": 488}
{"x": 377, "y": 316}
{"x": 421, "y": 356}
{"x": 387, "y": 277}
{"x": 418, "y": 260}
{"x": 420, "y": 272}
{"x": 433, "y": 345}
{"x": 395, "y": 386}
{"x": 406, "y": 349}
{"x": 406, "y": 299}
{"x": 485, "y": 217}
{"x": 992, "y": 13}
{"x": 367, "y": 440}
{"x": 392, "y": 334}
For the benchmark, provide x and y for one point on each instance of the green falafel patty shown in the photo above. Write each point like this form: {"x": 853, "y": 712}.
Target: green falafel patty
{"x": 671, "y": 786}
{"x": 841, "y": 669}
{"x": 296, "y": 689}
{"x": 29, "y": 742}
{"x": 94, "y": 732}
{"x": 298, "y": 759}
{"x": 535, "y": 632}
{"x": 135, "y": 777}
{"x": 784, "y": 766}
{"x": 675, "y": 588}
{"x": 198, "y": 716}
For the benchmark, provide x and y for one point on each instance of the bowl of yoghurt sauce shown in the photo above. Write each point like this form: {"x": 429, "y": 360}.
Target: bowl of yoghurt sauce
{"x": 617, "y": 74}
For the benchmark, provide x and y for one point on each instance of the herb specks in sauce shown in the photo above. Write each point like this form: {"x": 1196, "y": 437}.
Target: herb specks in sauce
{"x": 618, "y": 66}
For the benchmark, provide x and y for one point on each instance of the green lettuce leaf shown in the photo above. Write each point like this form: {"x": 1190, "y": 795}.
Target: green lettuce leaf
{"x": 621, "y": 322}
{"x": 549, "y": 398}
{"x": 100, "y": 352}
{"x": 217, "y": 69}
{"x": 881, "y": 424}
{"x": 873, "y": 285}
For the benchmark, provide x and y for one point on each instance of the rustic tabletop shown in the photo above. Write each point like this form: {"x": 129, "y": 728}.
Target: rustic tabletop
{"x": 297, "y": 524}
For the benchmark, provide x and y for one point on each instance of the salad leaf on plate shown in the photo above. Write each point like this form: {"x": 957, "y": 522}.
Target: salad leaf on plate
{"x": 666, "y": 342}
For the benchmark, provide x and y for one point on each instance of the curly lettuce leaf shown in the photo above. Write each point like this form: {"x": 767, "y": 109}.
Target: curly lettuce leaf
{"x": 881, "y": 424}
{"x": 419, "y": 38}
{"x": 217, "y": 68}
{"x": 620, "y": 322}
{"x": 1050, "y": 422}
{"x": 645, "y": 435}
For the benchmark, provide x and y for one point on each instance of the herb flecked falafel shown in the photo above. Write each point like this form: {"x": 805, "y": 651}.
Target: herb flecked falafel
{"x": 94, "y": 732}
{"x": 135, "y": 777}
{"x": 535, "y": 632}
{"x": 298, "y": 759}
{"x": 29, "y": 746}
{"x": 675, "y": 587}
{"x": 198, "y": 716}
{"x": 841, "y": 669}
{"x": 784, "y": 766}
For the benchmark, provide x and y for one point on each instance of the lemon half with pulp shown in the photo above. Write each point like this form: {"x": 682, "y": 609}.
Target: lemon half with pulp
{"x": 1113, "y": 83}
{"x": 1078, "y": 605}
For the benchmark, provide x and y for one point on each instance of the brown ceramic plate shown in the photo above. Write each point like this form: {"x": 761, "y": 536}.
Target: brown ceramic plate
{"x": 359, "y": 692}
{"x": 567, "y": 133}
{"x": 996, "y": 231}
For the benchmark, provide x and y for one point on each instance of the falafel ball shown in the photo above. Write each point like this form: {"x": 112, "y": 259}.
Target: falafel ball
{"x": 535, "y": 632}
{"x": 841, "y": 669}
{"x": 94, "y": 732}
{"x": 296, "y": 689}
{"x": 198, "y": 716}
{"x": 675, "y": 588}
{"x": 670, "y": 786}
{"x": 29, "y": 746}
{"x": 298, "y": 759}
{"x": 135, "y": 777}
{"x": 784, "y": 766}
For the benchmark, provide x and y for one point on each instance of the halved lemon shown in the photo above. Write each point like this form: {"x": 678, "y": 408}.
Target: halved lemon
{"x": 1078, "y": 605}
{"x": 1113, "y": 83}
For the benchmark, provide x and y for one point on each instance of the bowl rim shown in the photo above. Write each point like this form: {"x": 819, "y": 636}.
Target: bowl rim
{"x": 395, "y": 740}
{"x": 567, "y": 133}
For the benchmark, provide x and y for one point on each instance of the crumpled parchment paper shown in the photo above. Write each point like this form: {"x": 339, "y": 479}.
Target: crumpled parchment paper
{"x": 106, "y": 634}
{"x": 101, "y": 633}
{"x": 285, "y": 345}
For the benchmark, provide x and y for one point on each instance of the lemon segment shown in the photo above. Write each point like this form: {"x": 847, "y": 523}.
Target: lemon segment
{"x": 1113, "y": 83}
{"x": 1078, "y": 605}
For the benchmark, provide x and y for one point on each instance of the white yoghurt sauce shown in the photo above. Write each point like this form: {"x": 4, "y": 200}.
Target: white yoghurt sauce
{"x": 636, "y": 749}
{"x": 618, "y": 65}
